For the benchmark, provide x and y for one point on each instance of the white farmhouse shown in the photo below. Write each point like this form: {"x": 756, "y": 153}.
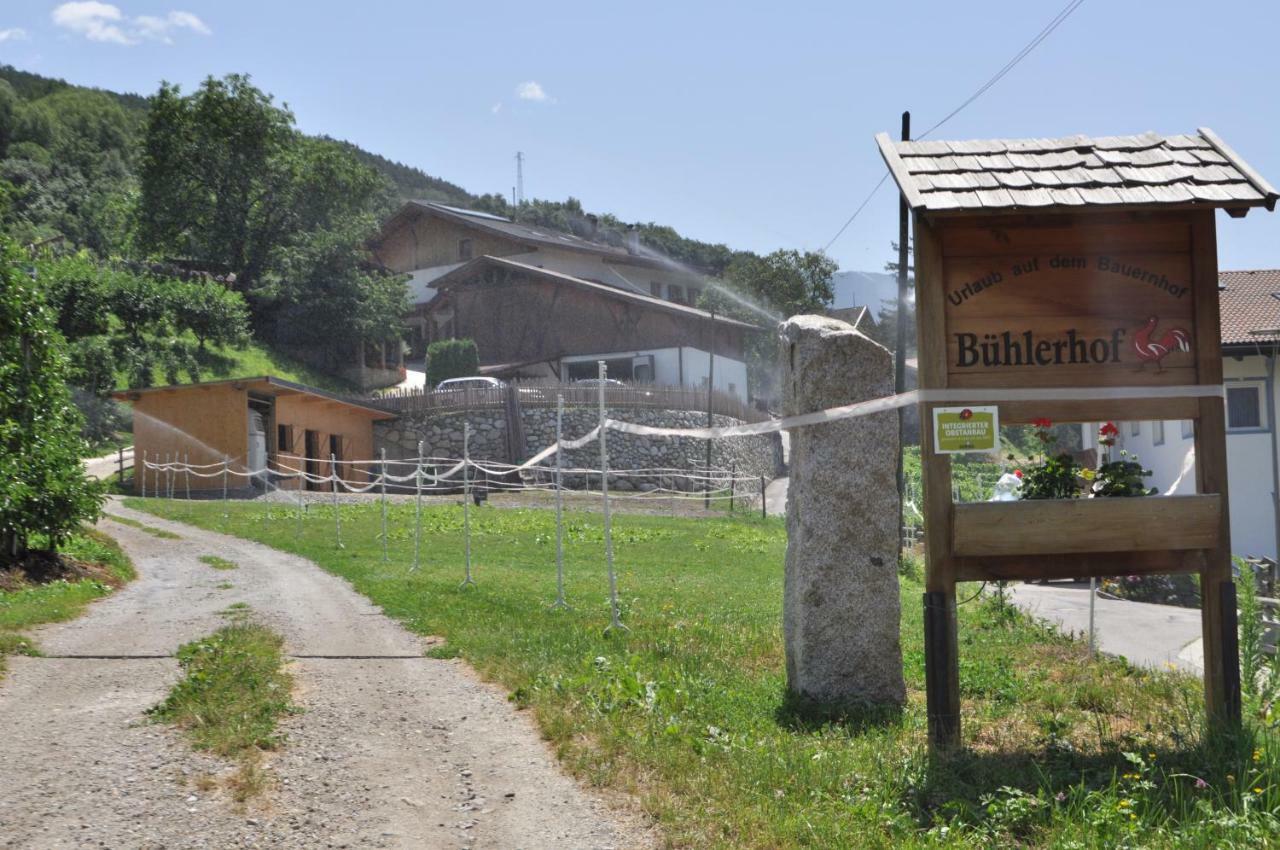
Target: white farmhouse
{"x": 1250, "y": 305}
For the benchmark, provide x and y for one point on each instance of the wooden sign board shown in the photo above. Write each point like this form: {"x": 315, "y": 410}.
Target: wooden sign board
{"x": 1091, "y": 300}
{"x": 1069, "y": 306}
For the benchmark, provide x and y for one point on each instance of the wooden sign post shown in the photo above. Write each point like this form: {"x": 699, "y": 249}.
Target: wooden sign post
{"x": 1050, "y": 264}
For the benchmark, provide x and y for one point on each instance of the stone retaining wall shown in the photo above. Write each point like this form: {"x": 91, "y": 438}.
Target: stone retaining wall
{"x": 442, "y": 437}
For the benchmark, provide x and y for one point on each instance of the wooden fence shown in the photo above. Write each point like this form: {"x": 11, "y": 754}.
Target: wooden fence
{"x": 539, "y": 394}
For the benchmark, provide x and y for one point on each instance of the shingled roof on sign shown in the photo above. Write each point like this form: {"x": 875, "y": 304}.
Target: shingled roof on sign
{"x": 1147, "y": 170}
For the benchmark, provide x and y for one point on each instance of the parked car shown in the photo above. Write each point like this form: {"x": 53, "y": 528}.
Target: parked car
{"x": 595, "y": 382}
{"x": 474, "y": 383}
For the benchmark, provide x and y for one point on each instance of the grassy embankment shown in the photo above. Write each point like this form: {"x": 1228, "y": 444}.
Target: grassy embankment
{"x": 221, "y": 362}
{"x": 231, "y": 696}
{"x": 100, "y": 568}
{"x": 688, "y": 712}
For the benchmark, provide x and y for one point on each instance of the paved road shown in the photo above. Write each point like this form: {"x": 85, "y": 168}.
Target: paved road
{"x": 106, "y": 465}
{"x": 775, "y": 496}
{"x": 391, "y": 750}
{"x": 1147, "y": 635}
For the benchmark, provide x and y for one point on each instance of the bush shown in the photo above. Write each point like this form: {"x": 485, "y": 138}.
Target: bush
{"x": 1182, "y": 589}
{"x": 43, "y": 488}
{"x": 451, "y": 358}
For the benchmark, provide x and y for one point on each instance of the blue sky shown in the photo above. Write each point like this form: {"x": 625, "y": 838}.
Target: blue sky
{"x": 746, "y": 123}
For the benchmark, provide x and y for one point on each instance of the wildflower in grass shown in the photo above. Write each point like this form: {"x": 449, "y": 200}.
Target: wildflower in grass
{"x": 1061, "y": 797}
{"x": 1257, "y": 755}
{"x": 1201, "y": 784}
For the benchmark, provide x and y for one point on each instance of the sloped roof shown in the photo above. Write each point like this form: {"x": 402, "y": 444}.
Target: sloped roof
{"x": 526, "y": 233}
{"x": 1146, "y": 170}
{"x": 1249, "y": 301}
{"x": 468, "y": 271}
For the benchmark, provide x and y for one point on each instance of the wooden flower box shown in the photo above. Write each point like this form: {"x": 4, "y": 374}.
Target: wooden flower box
{"x": 1082, "y": 526}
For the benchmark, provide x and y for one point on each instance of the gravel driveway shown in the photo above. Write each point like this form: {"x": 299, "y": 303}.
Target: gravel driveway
{"x": 391, "y": 749}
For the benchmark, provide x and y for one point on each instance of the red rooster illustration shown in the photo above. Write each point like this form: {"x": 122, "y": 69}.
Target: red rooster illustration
{"x": 1155, "y": 350}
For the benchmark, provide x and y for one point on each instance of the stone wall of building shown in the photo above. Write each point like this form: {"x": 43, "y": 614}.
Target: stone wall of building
{"x": 749, "y": 457}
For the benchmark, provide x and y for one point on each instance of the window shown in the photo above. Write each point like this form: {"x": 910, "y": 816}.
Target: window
{"x": 693, "y": 295}
{"x": 1157, "y": 433}
{"x": 284, "y": 438}
{"x": 464, "y": 249}
{"x": 1135, "y": 428}
{"x": 1244, "y": 407}
{"x": 655, "y": 289}
{"x": 1188, "y": 429}
{"x": 675, "y": 293}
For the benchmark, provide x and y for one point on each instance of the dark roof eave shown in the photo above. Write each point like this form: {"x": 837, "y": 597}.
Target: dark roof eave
{"x": 270, "y": 380}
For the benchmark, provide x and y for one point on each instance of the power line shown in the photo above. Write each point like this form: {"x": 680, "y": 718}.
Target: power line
{"x": 865, "y": 201}
{"x": 1012, "y": 63}
{"x": 1044, "y": 33}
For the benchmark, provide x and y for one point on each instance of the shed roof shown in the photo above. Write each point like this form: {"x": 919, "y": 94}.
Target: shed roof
{"x": 262, "y": 383}
{"x": 468, "y": 271}
{"x": 1249, "y": 302}
{"x": 1066, "y": 174}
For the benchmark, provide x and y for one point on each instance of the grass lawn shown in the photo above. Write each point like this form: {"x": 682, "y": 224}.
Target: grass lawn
{"x": 30, "y": 605}
{"x": 688, "y": 714}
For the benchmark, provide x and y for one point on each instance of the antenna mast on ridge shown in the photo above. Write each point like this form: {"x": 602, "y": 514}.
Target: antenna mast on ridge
{"x": 519, "y": 178}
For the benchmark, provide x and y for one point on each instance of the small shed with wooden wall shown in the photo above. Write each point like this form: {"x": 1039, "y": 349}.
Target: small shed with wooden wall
{"x": 1074, "y": 279}
{"x": 254, "y": 424}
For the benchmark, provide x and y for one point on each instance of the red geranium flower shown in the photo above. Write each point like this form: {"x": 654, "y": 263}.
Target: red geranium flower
{"x": 1109, "y": 430}
{"x": 1018, "y": 472}
{"x": 1042, "y": 423}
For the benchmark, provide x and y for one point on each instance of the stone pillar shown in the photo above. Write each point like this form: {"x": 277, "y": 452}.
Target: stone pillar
{"x": 841, "y": 605}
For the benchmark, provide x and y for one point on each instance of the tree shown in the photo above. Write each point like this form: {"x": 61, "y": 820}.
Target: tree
{"x": 765, "y": 290}
{"x": 332, "y": 300}
{"x": 215, "y": 176}
{"x": 886, "y": 330}
{"x": 43, "y": 488}
{"x": 789, "y": 282}
{"x": 210, "y": 311}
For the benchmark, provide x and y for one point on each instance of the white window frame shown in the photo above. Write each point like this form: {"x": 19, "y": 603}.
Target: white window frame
{"x": 1259, "y": 386}
{"x": 1157, "y": 432}
{"x": 1135, "y": 428}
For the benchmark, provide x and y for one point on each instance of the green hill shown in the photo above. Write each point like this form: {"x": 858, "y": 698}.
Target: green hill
{"x": 108, "y": 126}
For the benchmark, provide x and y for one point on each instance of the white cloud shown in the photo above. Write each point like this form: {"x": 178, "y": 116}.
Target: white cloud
{"x": 533, "y": 90}
{"x": 13, "y": 34}
{"x": 158, "y": 29}
{"x": 496, "y": 108}
{"x": 104, "y": 22}
{"x": 95, "y": 21}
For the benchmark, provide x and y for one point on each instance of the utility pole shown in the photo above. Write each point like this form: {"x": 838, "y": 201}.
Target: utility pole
{"x": 711, "y": 384}
{"x": 900, "y": 349}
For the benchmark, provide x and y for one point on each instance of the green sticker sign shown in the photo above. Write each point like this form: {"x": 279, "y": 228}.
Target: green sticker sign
{"x": 957, "y": 430}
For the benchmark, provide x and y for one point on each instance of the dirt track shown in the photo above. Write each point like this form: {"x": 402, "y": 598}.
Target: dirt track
{"x": 391, "y": 749}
